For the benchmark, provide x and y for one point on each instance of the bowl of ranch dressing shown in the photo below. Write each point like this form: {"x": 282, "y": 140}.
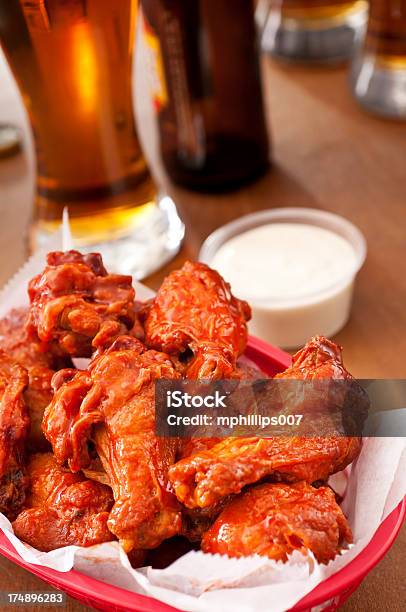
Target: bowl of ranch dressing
{"x": 295, "y": 266}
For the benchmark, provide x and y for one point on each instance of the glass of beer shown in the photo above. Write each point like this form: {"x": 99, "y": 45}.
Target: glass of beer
{"x": 313, "y": 30}
{"x": 379, "y": 68}
{"x": 72, "y": 60}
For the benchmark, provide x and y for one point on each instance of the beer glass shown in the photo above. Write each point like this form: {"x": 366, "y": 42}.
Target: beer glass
{"x": 313, "y": 30}
{"x": 379, "y": 68}
{"x": 72, "y": 60}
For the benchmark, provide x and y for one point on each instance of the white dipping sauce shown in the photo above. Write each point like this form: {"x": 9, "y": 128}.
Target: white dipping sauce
{"x": 281, "y": 261}
{"x": 297, "y": 277}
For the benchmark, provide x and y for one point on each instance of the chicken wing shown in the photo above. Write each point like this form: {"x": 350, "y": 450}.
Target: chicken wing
{"x": 245, "y": 370}
{"x": 62, "y": 508}
{"x": 14, "y": 426}
{"x": 273, "y": 520}
{"x": 76, "y": 306}
{"x": 25, "y": 350}
{"x": 319, "y": 358}
{"x": 196, "y": 521}
{"x": 196, "y": 317}
{"x": 113, "y": 403}
{"x": 37, "y": 396}
{"x": 40, "y": 366}
{"x": 203, "y": 478}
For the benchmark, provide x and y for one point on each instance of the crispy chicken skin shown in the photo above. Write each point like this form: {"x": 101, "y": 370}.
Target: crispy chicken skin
{"x": 273, "y": 520}
{"x": 26, "y": 351}
{"x": 62, "y": 508}
{"x": 203, "y": 478}
{"x": 76, "y": 306}
{"x": 117, "y": 394}
{"x": 194, "y": 310}
{"x": 14, "y": 427}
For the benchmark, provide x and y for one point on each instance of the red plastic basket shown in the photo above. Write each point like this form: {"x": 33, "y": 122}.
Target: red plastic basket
{"x": 329, "y": 595}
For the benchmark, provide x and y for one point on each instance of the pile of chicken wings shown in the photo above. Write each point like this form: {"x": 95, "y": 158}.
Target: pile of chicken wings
{"x": 80, "y": 461}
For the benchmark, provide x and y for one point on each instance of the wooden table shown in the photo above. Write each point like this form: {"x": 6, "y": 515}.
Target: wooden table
{"x": 327, "y": 154}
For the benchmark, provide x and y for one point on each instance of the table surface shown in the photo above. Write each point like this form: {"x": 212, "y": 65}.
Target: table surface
{"x": 327, "y": 154}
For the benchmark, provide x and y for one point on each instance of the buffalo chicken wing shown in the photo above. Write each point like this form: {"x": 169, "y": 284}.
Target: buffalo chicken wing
{"x": 274, "y": 520}
{"x": 204, "y": 478}
{"x": 14, "y": 427}
{"x": 40, "y": 365}
{"x": 62, "y": 508}
{"x": 195, "y": 312}
{"x": 112, "y": 403}
{"x": 76, "y": 306}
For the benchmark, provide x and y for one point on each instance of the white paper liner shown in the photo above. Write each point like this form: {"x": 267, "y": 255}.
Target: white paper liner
{"x": 198, "y": 582}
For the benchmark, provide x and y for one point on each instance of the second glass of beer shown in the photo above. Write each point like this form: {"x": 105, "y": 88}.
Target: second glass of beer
{"x": 379, "y": 68}
{"x": 314, "y": 30}
{"x": 73, "y": 63}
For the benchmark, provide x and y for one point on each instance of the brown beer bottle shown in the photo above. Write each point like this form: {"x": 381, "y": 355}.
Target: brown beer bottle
{"x": 206, "y": 87}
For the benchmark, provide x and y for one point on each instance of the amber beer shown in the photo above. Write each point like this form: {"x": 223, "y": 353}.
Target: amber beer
{"x": 378, "y": 74}
{"x": 314, "y": 30}
{"x": 72, "y": 60}
{"x": 316, "y": 9}
{"x": 386, "y": 35}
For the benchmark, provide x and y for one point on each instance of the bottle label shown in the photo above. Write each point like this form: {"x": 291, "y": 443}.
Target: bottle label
{"x": 155, "y": 66}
